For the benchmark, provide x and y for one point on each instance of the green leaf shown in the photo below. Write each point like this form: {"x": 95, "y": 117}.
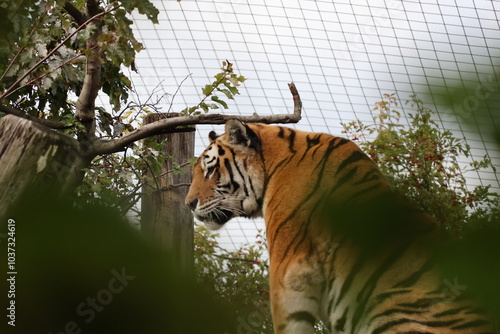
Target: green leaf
{"x": 147, "y": 8}
{"x": 221, "y": 102}
{"x": 227, "y": 92}
{"x": 232, "y": 89}
{"x": 205, "y": 107}
{"x": 219, "y": 76}
{"x": 207, "y": 90}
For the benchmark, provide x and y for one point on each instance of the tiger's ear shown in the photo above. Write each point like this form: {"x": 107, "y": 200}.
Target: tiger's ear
{"x": 212, "y": 136}
{"x": 240, "y": 134}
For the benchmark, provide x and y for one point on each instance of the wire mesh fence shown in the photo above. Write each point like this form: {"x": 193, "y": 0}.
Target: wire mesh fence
{"x": 342, "y": 55}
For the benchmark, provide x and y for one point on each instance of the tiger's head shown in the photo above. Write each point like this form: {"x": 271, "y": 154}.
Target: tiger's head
{"x": 228, "y": 177}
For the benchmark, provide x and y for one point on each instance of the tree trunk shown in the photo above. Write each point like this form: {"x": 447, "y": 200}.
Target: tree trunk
{"x": 166, "y": 220}
{"x": 35, "y": 160}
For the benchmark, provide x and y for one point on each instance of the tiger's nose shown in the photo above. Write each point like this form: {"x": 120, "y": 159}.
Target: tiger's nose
{"x": 193, "y": 203}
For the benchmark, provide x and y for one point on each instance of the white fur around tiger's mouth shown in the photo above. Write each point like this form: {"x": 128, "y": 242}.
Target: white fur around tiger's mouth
{"x": 214, "y": 220}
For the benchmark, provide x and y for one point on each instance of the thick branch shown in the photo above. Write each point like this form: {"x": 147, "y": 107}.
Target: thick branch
{"x": 170, "y": 124}
{"x": 46, "y": 122}
{"x": 92, "y": 7}
{"x": 78, "y": 16}
{"x": 85, "y": 105}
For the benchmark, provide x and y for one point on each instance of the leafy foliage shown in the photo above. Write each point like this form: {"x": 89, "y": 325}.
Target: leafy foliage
{"x": 112, "y": 180}
{"x": 45, "y": 86}
{"x": 47, "y": 47}
{"x": 15, "y": 17}
{"x": 226, "y": 82}
{"x": 117, "y": 179}
{"x": 238, "y": 277}
{"x": 423, "y": 162}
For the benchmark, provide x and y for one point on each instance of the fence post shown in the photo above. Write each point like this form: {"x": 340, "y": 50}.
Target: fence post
{"x": 166, "y": 221}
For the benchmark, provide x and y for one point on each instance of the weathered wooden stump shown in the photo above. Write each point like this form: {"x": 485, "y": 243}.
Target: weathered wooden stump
{"x": 34, "y": 158}
{"x": 166, "y": 220}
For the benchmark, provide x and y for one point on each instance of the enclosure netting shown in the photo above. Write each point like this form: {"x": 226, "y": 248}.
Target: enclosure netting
{"x": 342, "y": 56}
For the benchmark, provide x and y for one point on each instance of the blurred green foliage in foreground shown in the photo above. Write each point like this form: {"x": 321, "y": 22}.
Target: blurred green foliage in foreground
{"x": 85, "y": 270}
{"x": 474, "y": 259}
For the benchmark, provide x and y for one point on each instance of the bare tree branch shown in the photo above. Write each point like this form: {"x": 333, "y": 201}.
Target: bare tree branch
{"x": 167, "y": 125}
{"x": 177, "y": 91}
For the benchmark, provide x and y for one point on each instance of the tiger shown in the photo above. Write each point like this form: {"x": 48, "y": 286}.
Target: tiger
{"x": 344, "y": 248}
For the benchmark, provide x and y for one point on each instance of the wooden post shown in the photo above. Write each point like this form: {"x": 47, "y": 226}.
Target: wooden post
{"x": 34, "y": 158}
{"x": 165, "y": 219}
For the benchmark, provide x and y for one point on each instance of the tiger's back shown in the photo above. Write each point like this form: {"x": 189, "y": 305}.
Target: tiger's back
{"x": 343, "y": 248}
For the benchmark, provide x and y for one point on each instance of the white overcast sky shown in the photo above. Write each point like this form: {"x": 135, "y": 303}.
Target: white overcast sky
{"x": 342, "y": 55}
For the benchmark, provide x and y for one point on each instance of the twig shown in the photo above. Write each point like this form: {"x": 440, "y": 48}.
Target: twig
{"x": 235, "y": 258}
{"x": 130, "y": 199}
{"x": 154, "y": 105}
{"x": 177, "y": 91}
{"x": 142, "y": 105}
{"x": 150, "y": 170}
{"x": 172, "y": 186}
{"x": 187, "y": 163}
